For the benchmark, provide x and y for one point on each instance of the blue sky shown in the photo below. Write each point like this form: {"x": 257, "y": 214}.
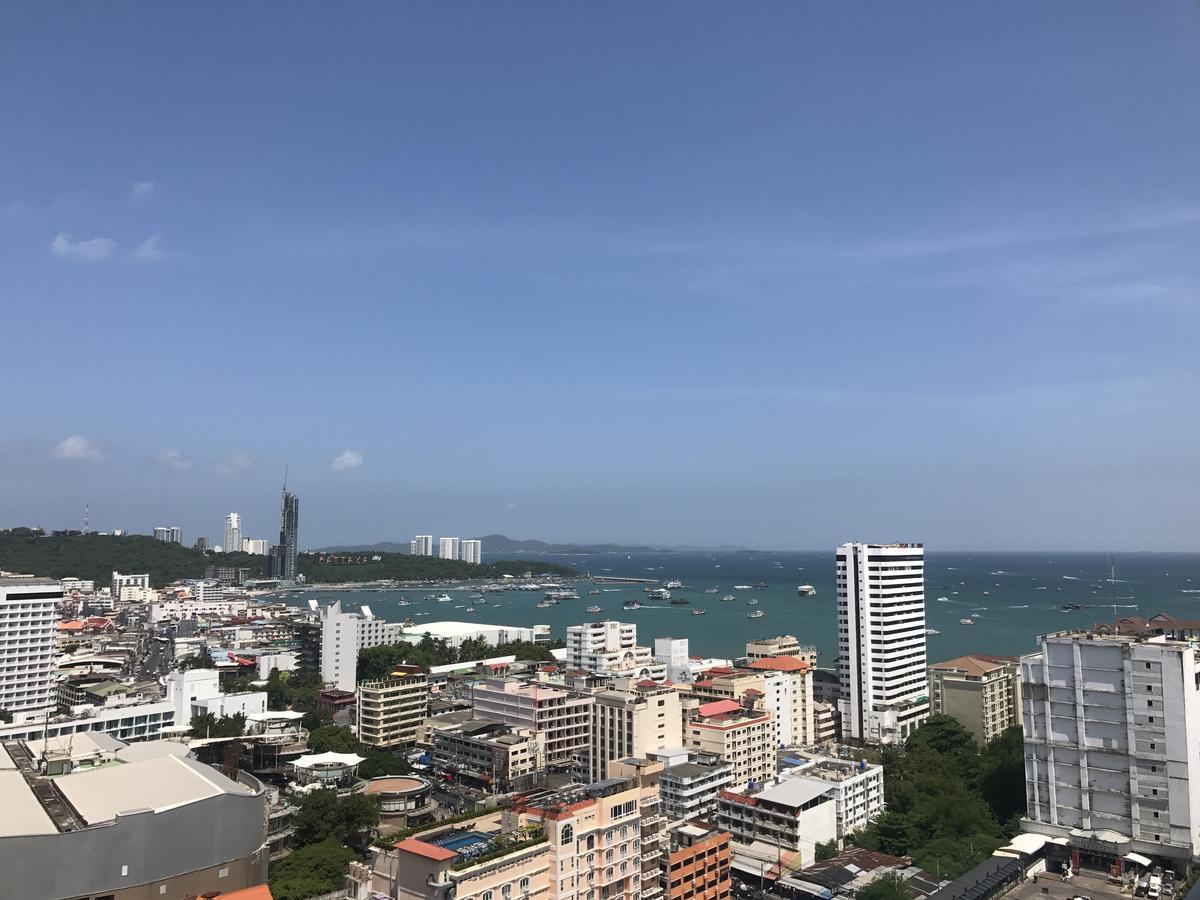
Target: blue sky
{"x": 781, "y": 275}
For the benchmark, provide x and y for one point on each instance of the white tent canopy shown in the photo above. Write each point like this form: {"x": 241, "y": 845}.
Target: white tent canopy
{"x": 1138, "y": 860}
{"x": 313, "y": 760}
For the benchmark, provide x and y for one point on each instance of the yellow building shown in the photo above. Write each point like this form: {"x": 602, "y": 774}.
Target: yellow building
{"x": 743, "y": 737}
{"x": 983, "y": 692}
{"x": 392, "y": 711}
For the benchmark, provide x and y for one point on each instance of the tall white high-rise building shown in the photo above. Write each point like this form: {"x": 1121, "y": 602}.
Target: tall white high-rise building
{"x": 421, "y": 545}
{"x": 448, "y": 548}
{"x": 472, "y": 551}
{"x": 881, "y": 641}
{"x": 343, "y": 634}
{"x": 28, "y": 614}
{"x": 233, "y": 533}
{"x": 255, "y": 546}
{"x": 168, "y": 534}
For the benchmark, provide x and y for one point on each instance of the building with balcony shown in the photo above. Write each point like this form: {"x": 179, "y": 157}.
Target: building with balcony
{"x": 632, "y": 723}
{"x": 610, "y": 649}
{"x": 697, "y": 863}
{"x": 789, "y": 814}
{"x": 585, "y": 841}
{"x": 145, "y": 820}
{"x": 744, "y": 737}
{"x": 690, "y": 783}
{"x": 28, "y": 613}
{"x": 983, "y": 692}
{"x": 856, "y": 788}
{"x": 783, "y": 645}
{"x": 392, "y": 711}
{"x": 559, "y": 718}
{"x": 1112, "y": 745}
{"x": 496, "y": 755}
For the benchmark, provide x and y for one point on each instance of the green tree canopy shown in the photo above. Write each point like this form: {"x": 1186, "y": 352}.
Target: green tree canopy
{"x": 889, "y": 886}
{"x": 206, "y": 725}
{"x": 313, "y": 870}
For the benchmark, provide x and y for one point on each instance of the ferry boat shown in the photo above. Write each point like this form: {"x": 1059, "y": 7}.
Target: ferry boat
{"x": 594, "y": 609}
{"x": 699, "y": 612}
{"x": 757, "y": 614}
{"x": 728, "y": 598}
{"x": 806, "y": 590}
{"x": 659, "y": 594}
{"x": 632, "y": 604}
{"x": 674, "y": 584}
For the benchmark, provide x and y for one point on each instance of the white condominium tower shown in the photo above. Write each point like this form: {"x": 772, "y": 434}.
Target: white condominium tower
{"x": 472, "y": 551}
{"x": 881, "y": 641}
{"x": 233, "y": 533}
{"x": 421, "y": 545}
{"x": 28, "y": 614}
{"x": 448, "y": 548}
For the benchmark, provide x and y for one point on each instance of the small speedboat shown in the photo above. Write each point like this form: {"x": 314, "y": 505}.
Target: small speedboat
{"x": 806, "y": 590}
{"x": 445, "y": 598}
{"x": 594, "y": 609}
{"x": 699, "y": 612}
{"x": 966, "y": 621}
{"x": 728, "y": 598}
{"x": 752, "y": 602}
{"x": 757, "y": 614}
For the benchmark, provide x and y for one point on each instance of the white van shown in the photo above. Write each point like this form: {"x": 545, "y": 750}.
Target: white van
{"x": 1154, "y": 889}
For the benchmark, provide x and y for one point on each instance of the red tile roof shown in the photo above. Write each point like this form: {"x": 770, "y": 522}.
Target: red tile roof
{"x": 258, "y": 892}
{"x": 429, "y": 851}
{"x": 780, "y": 664}
{"x": 717, "y": 707}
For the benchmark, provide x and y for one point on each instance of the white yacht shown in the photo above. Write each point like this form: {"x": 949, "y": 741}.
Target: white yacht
{"x": 806, "y": 590}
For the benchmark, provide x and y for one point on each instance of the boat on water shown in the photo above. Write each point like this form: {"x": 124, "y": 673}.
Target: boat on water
{"x": 943, "y": 599}
{"x": 594, "y": 609}
{"x": 595, "y": 592}
{"x": 743, "y": 587}
{"x": 674, "y": 584}
{"x": 477, "y": 596}
{"x": 556, "y": 596}
{"x": 760, "y": 585}
{"x": 752, "y": 602}
{"x": 632, "y": 604}
{"x": 445, "y": 598}
{"x": 699, "y": 612}
{"x": 712, "y": 590}
{"x": 966, "y": 621}
{"x": 544, "y": 604}
{"x": 680, "y": 601}
{"x": 659, "y": 594}
{"x": 404, "y": 603}
{"x": 757, "y": 614}
{"x": 728, "y": 598}
{"x": 932, "y": 631}
{"x": 479, "y": 600}
{"x": 806, "y": 590}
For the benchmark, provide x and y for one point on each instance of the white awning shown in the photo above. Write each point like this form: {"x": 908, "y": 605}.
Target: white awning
{"x": 1138, "y": 860}
{"x": 1027, "y": 843}
{"x": 328, "y": 759}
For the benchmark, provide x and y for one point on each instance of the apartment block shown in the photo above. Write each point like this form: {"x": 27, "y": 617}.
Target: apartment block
{"x": 788, "y": 695}
{"x": 471, "y": 551}
{"x": 501, "y": 757}
{"x": 983, "y": 692}
{"x": 783, "y": 645}
{"x": 610, "y": 648}
{"x": 881, "y": 641}
{"x": 392, "y": 711}
{"x": 1112, "y": 745}
{"x": 690, "y": 783}
{"x": 742, "y": 736}
{"x": 632, "y": 724}
{"x": 448, "y": 548}
{"x": 561, "y": 719}
{"x": 697, "y": 863}
{"x": 28, "y": 615}
{"x": 856, "y": 788}
{"x": 790, "y": 814}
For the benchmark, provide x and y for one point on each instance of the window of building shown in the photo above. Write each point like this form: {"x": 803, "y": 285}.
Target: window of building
{"x": 567, "y": 834}
{"x": 506, "y": 890}
{"x": 487, "y": 895}
{"x": 523, "y": 884}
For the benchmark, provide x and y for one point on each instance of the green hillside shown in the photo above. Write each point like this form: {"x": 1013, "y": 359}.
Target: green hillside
{"x": 97, "y": 556}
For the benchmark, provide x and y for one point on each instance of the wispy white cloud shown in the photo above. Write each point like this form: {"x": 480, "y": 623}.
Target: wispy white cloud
{"x": 77, "y": 447}
{"x": 239, "y": 462}
{"x": 347, "y": 459}
{"x": 149, "y": 249}
{"x": 141, "y": 190}
{"x": 175, "y": 459}
{"x": 92, "y": 249}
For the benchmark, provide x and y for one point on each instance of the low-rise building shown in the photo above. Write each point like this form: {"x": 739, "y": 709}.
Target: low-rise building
{"x": 784, "y": 645}
{"x": 789, "y": 814}
{"x": 135, "y": 722}
{"x": 690, "y": 783}
{"x": 982, "y": 691}
{"x": 392, "y": 711}
{"x": 826, "y": 724}
{"x": 611, "y": 649}
{"x": 742, "y": 736}
{"x": 197, "y": 692}
{"x": 856, "y": 788}
{"x": 404, "y": 800}
{"x": 697, "y": 863}
{"x": 501, "y": 757}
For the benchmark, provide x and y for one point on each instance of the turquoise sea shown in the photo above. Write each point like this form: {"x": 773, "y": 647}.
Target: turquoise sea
{"x": 1010, "y": 597}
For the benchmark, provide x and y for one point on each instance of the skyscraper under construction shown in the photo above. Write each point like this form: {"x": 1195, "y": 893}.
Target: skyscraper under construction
{"x": 281, "y": 561}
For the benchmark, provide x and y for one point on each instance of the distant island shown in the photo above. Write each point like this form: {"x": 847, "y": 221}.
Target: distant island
{"x": 95, "y": 557}
{"x": 499, "y": 543}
